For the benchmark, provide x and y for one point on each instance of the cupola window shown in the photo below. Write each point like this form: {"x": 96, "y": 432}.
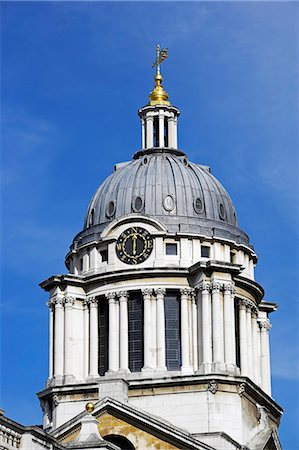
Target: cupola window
{"x": 165, "y": 132}
{"x": 156, "y": 131}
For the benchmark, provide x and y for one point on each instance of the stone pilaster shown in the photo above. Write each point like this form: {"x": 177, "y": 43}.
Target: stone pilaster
{"x": 265, "y": 327}
{"x": 68, "y": 339}
{"x": 206, "y": 326}
{"x": 93, "y": 337}
{"x": 113, "y": 351}
{"x": 59, "y": 339}
{"x": 185, "y": 325}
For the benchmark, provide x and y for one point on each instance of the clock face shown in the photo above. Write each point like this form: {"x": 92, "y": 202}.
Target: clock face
{"x": 134, "y": 245}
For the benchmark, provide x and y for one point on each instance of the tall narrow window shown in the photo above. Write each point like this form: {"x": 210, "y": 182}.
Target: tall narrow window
{"x": 135, "y": 312}
{"x": 103, "y": 336}
{"x": 237, "y": 334}
{"x": 172, "y": 331}
{"x": 156, "y": 131}
{"x": 165, "y": 132}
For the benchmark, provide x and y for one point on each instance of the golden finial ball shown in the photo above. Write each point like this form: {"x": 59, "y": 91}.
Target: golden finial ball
{"x": 89, "y": 407}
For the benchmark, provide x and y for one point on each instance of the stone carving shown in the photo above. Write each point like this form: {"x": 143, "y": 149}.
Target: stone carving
{"x": 58, "y": 301}
{"x": 216, "y": 286}
{"x": 213, "y": 386}
{"x": 68, "y": 301}
{"x": 123, "y": 296}
{"x": 264, "y": 324}
{"x": 205, "y": 286}
{"x": 160, "y": 292}
{"x": 111, "y": 296}
{"x": 51, "y": 304}
{"x": 147, "y": 293}
{"x": 92, "y": 301}
{"x": 55, "y": 400}
{"x": 186, "y": 291}
{"x": 241, "y": 389}
{"x": 229, "y": 287}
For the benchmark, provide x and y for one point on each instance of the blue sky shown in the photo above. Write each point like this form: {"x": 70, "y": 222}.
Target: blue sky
{"x": 73, "y": 76}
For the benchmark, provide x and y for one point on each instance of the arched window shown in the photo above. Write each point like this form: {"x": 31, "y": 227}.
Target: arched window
{"x": 120, "y": 441}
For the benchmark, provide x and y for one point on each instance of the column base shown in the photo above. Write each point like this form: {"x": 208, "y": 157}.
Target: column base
{"x": 69, "y": 379}
{"x": 123, "y": 371}
{"x": 187, "y": 370}
{"x": 147, "y": 369}
{"x": 204, "y": 368}
{"x": 93, "y": 377}
{"x": 161, "y": 369}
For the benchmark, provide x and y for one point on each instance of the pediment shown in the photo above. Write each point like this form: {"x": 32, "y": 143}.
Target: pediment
{"x": 140, "y": 428}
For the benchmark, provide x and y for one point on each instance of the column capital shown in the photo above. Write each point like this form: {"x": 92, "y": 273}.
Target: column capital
{"x": 264, "y": 324}
{"x": 204, "y": 286}
{"x": 110, "y": 296}
{"x": 229, "y": 287}
{"x": 58, "y": 301}
{"x": 186, "y": 291}
{"x": 216, "y": 286}
{"x": 92, "y": 301}
{"x": 160, "y": 292}
{"x": 68, "y": 301}
{"x": 147, "y": 293}
{"x": 51, "y": 304}
{"x": 123, "y": 296}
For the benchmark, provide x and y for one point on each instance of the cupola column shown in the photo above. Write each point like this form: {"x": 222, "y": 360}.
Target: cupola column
{"x": 149, "y": 123}
{"x": 147, "y": 293}
{"x": 93, "y": 337}
{"x": 229, "y": 326}
{"x": 265, "y": 327}
{"x": 113, "y": 350}
{"x": 68, "y": 337}
{"x": 243, "y": 337}
{"x": 123, "y": 325}
{"x": 161, "y": 129}
{"x": 161, "y": 361}
{"x": 206, "y": 326}
{"x": 58, "y": 335}
{"x": 185, "y": 325}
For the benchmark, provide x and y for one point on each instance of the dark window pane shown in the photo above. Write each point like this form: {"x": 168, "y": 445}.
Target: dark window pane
{"x": 171, "y": 249}
{"x": 135, "y": 311}
{"x": 172, "y": 331}
{"x": 205, "y": 251}
{"x": 104, "y": 255}
{"x": 103, "y": 336}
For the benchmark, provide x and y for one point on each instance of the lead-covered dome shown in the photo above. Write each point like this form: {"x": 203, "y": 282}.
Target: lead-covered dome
{"x": 163, "y": 184}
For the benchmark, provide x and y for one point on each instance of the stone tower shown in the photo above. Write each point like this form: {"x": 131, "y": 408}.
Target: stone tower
{"x": 159, "y": 320}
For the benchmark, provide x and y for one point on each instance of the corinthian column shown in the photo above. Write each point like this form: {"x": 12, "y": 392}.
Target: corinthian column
{"x": 58, "y": 339}
{"x": 217, "y": 325}
{"x": 185, "y": 342}
{"x": 86, "y": 337}
{"x": 249, "y": 340}
{"x": 68, "y": 338}
{"x": 194, "y": 331}
{"x": 243, "y": 337}
{"x": 265, "y": 355}
{"x": 147, "y": 293}
{"x": 93, "y": 337}
{"x": 229, "y": 327}
{"x": 113, "y": 351}
{"x": 161, "y": 360}
{"x": 124, "y": 336}
{"x": 206, "y": 326}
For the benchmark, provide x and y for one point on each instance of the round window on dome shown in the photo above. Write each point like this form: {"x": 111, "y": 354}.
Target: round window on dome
{"x": 145, "y": 161}
{"x": 110, "y": 209}
{"x": 198, "y": 205}
{"x": 137, "y": 204}
{"x": 169, "y": 203}
{"x": 221, "y": 211}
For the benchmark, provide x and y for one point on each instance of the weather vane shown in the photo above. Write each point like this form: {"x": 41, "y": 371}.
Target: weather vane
{"x": 161, "y": 55}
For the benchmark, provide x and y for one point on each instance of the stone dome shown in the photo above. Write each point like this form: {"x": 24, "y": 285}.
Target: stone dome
{"x": 165, "y": 185}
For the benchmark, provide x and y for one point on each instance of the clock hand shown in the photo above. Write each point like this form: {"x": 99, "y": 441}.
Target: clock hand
{"x": 134, "y": 239}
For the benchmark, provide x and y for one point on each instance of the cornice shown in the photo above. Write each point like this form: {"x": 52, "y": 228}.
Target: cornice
{"x": 251, "y": 286}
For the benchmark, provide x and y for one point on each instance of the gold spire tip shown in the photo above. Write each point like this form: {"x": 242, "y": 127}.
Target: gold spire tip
{"x": 158, "y": 96}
